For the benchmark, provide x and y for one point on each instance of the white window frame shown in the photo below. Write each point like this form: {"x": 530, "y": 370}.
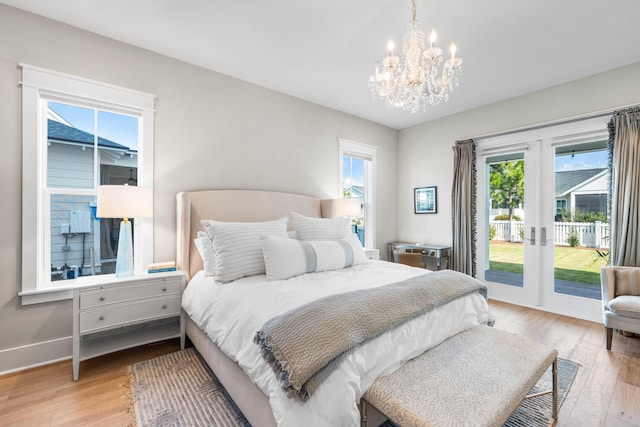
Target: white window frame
{"x": 369, "y": 153}
{"x": 39, "y": 86}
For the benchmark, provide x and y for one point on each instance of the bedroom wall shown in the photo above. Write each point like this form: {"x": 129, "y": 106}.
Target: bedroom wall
{"x": 425, "y": 154}
{"x": 211, "y": 131}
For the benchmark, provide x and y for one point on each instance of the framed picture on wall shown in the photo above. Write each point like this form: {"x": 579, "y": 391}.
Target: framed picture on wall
{"x": 425, "y": 200}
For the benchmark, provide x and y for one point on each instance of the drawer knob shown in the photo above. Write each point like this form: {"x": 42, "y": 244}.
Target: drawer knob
{"x": 164, "y": 289}
{"x": 164, "y": 306}
{"x": 101, "y": 298}
{"x": 101, "y": 317}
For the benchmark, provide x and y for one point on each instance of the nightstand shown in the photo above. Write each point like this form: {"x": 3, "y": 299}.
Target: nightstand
{"x": 111, "y": 314}
{"x": 372, "y": 254}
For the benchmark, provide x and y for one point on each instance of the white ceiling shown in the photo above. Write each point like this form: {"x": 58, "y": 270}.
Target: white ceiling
{"x": 324, "y": 51}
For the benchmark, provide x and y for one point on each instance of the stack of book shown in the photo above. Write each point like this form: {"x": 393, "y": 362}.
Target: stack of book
{"x": 159, "y": 267}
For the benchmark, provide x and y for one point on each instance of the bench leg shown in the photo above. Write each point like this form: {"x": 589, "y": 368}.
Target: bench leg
{"x": 555, "y": 388}
{"x": 363, "y": 413}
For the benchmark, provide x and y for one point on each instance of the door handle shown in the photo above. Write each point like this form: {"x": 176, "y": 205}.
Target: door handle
{"x": 543, "y": 236}
{"x": 533, "y": 236}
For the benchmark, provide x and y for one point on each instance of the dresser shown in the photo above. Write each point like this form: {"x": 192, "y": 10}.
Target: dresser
{"x": 433, "y": 257}
{"x": 122, "y": 313}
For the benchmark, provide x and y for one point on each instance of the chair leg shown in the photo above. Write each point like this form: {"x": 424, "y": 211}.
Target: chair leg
{"x": 609, "y": 337}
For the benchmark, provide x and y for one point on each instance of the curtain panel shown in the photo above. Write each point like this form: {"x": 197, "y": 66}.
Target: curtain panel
{"x": 463, "y": 208}
{"x": 624, "y": 152}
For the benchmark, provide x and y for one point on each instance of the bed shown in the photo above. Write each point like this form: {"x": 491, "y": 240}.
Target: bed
{"x": 223, "y": 317}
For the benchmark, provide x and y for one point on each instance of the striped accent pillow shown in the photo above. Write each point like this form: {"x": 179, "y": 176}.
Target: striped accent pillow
{"x": 308, "y": 228}
{"x": 285, "y": 258}
{"x": 237, "y": 246}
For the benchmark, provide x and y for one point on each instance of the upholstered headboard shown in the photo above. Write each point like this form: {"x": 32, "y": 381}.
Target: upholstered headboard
{"x": 230, "y": 205}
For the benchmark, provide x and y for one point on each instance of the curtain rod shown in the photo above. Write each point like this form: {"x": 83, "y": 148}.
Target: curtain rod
{"x": 556, "y": 123}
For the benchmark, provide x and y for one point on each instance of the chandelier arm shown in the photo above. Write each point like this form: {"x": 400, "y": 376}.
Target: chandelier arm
{"x": 413, "y": 11}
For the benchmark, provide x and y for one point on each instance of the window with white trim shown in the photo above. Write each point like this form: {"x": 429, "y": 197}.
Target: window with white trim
{"x": 78, "y": 134}
{"x": 358, "y": 179}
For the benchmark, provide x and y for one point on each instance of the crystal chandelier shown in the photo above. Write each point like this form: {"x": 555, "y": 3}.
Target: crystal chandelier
{"x": 422, "y": 76}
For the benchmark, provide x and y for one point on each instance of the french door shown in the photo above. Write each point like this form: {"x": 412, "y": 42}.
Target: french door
{"x": 542, "y": 224}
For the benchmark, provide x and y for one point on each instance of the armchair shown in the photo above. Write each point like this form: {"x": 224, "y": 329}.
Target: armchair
{"x": 620, "y": 299}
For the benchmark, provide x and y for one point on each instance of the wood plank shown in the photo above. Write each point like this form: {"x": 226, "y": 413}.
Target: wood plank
{"x": 48, "y": 396}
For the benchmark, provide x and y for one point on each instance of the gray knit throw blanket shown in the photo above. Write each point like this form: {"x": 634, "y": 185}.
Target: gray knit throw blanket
{"x": 306, "y": 344}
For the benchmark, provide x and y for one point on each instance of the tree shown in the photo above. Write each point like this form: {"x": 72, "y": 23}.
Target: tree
{"x": 507, "y": 184}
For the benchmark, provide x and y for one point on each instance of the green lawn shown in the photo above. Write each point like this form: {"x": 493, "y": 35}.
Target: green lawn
{"x": 576, "y": 264}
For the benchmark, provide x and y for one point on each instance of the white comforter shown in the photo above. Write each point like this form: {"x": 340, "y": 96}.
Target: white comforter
{"x": 231, "y": 313}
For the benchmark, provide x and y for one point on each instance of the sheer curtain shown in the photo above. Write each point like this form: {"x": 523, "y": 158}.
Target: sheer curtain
{"x": 624, "y": 149}
{"x": 463, "y": 207}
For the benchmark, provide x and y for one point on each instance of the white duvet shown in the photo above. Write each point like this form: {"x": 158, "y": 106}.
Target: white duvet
{"x": 231, "y": 313}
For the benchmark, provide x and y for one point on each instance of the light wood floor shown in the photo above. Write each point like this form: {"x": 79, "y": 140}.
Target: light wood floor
{"x": 606, "y": 391}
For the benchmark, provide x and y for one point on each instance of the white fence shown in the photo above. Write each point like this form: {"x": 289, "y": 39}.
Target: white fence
{"x": 589, "y": 234}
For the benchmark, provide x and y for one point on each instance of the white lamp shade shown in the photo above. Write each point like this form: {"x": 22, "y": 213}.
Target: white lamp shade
{"x": 124, "y": 201}
{"x": 350, "y": 207}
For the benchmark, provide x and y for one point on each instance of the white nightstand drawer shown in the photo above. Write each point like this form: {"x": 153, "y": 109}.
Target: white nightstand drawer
{"x": 123, "y": 314}
{"x": 129, "y": 292}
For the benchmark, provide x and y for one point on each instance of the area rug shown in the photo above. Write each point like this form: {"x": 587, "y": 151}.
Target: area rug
{"x": 537, "y": 410}
{"x": 178, "y": 389}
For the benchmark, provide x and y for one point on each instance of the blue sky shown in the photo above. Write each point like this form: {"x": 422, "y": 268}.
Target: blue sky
{"x": 589, "y": 160}
{"x": 353, "y": 171}
{"x": 115, "y": 127}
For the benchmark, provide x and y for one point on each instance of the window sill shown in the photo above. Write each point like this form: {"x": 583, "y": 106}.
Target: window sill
{"x": 46, "y": 295}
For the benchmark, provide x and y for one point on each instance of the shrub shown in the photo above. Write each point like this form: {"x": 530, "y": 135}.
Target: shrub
{"x": 505, "y": 217}
{"x": 590, "y": 216}
{"x": 565, "y": 215}
{"x": 492, "y": 231}
{"x": 572, "y": 238}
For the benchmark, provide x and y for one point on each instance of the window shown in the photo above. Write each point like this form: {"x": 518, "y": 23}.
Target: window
{"x": 357, "y": 179}
{"x": 78, "y": 134}
{"x": 561, "y": 206}
{"x": 591, "y": 203}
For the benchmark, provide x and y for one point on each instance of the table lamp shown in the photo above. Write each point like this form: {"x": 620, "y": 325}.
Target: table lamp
{"x": 349, "y": 207}
{"x": 124, "y": 201}
{"x": 335, "y": 208}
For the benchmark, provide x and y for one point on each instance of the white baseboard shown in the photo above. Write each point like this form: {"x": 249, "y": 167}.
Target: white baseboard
{"x": 30, "y": 356}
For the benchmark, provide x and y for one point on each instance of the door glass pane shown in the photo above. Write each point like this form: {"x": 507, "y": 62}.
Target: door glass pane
{"x": 506, "y": 219}
{"x": 581, "y": 226}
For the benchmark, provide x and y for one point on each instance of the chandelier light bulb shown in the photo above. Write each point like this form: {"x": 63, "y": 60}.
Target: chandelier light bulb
{"x": 420, "y": 76}
{"x": 432, "y": 37}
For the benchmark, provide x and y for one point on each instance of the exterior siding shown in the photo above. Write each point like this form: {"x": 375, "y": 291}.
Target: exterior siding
{"x": 69, "y": 166}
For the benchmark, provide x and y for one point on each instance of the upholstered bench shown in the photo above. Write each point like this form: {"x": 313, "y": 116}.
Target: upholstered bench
{"x": 476, "y": 378}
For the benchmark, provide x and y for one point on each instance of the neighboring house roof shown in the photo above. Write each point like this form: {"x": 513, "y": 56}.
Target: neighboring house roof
{"x": 568, "y": 180}
{"x": 58, "y": 131}
{"x": 356, "y": 190}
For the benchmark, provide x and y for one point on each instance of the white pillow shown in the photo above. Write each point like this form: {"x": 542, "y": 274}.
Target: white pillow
{"x": 285, "y": 258}
{"x": 237, "y": 246}
{"x": 308, "y": 228}
{"x": 205, "y": 249}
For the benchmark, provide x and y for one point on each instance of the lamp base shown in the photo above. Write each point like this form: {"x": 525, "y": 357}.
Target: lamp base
{"x": 124, "y": 261}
